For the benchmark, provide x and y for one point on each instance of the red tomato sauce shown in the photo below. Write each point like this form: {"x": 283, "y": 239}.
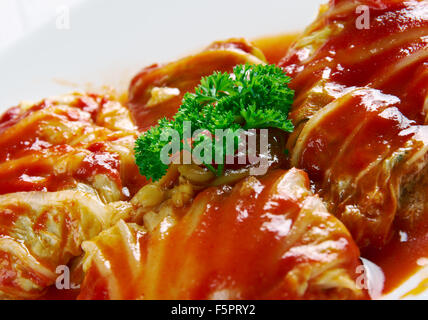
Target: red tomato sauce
{"x": 399, "y": 258}
{"x": 32, "y": 159}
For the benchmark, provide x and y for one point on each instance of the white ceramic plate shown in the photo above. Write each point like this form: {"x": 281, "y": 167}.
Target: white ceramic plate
{"x": 110, "y": 40}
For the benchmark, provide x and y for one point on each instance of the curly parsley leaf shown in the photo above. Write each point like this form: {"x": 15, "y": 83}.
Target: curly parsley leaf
{"x": 252, "y": 97}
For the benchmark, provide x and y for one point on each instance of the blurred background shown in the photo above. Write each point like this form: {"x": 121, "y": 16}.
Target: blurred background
{"x": 19, "y": 17}
{"x": 50, "y": 47}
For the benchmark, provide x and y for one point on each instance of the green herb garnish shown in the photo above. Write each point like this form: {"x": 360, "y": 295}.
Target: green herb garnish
{"x": 253, "y": 97}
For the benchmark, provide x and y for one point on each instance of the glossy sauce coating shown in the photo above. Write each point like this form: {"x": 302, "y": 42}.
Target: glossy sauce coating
{"x": 54, "y": 145}
{"x": 392, "y": 55}
{"x": 263, "y": 239}
{"x": 334, "y": 57}
{"x": 359, "y": 151}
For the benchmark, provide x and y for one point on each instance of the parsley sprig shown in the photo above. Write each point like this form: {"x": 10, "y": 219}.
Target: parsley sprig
{"x": 252, "y": 97}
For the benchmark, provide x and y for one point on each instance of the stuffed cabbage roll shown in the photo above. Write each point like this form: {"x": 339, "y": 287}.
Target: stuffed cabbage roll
{"x": 40, "y": 231}
{"x": 61, "y": 162}
{"x": 360, "y": 72}
{"x": 267, "y": 238}
{"x": 156, "y": 92}
{"x": 363, "y": 154}
{"x": 381, "y": 44}
{"x": 66, "y": 142}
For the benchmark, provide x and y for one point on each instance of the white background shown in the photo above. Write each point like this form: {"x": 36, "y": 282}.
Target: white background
{"x": 111, "y": 40}
{"x": 19, "y": 17}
